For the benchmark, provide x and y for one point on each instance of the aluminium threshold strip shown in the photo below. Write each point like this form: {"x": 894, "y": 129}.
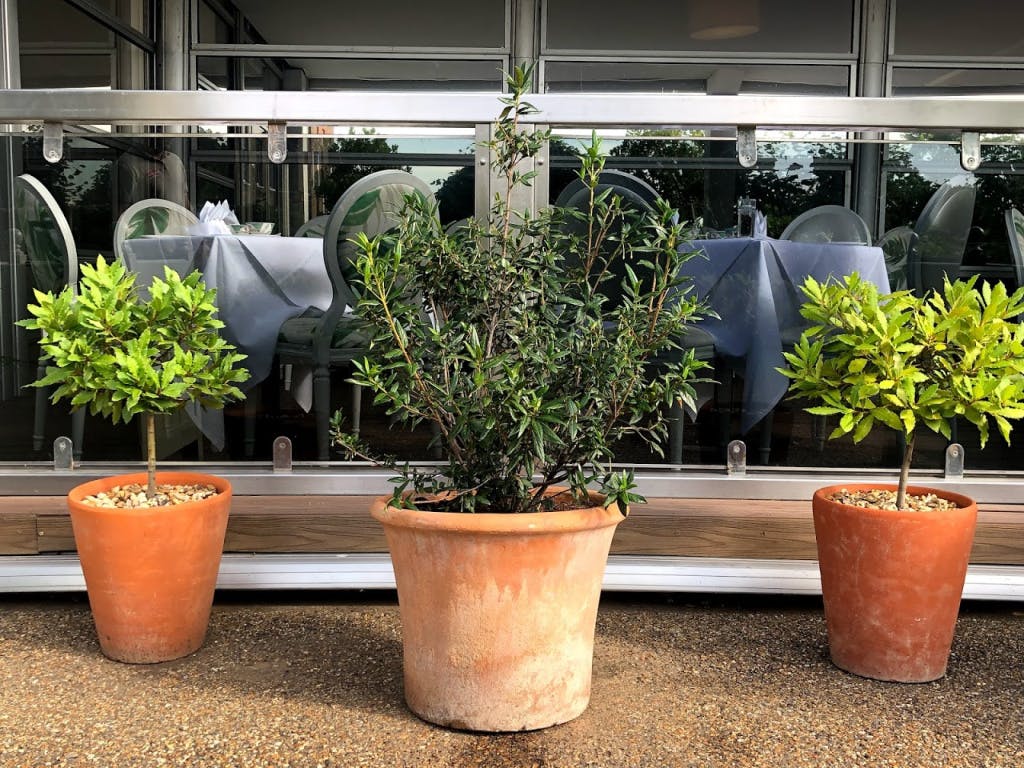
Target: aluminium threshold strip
{"x": 625, "y": 573}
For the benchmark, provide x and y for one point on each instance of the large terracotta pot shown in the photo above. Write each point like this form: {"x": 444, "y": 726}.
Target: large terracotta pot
{"x": 498, "y": 612}
{"x": 892, "y": 583}
{"x": 150, "y": 573}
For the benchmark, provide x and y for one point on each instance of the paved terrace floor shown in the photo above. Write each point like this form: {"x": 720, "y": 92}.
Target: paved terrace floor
{"x": 314, "y": 679}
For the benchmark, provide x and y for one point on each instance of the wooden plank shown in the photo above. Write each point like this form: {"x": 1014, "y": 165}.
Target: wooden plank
{"x": 17, "y": 534}
{"x": 54, "y": 534}
{"x": 18, "y": 521}
{"x": 680, "y": 527}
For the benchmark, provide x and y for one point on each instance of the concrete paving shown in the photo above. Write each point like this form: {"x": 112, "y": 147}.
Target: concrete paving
{"x": 314, "y": 679}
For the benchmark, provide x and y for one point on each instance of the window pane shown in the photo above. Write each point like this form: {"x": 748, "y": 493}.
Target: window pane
{"x": 916, "y": 171}
{"x": 409, "y": 23}
{"x": 61, "y": 47}
{"x": 947, "y": 81}
{"x": 372, "y": 74}
{"x": 54, "y": 22}
{"x": 57, "y": 70}
{"x": 212, "y": 28}
{"x": 713, "y": 78}
{"x": 794, "y": 26}
{"x": 953, "y": 28}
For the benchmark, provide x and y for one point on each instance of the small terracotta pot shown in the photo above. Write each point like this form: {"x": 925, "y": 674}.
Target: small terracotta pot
{"x": 150, "y": 573}
{"x": 892, "y": 583}
{"x": 498, "y": 612}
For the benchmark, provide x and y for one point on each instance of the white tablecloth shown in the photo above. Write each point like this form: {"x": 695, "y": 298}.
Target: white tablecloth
{"x": 261, "y": 281}
{"x": 754, "y": 287}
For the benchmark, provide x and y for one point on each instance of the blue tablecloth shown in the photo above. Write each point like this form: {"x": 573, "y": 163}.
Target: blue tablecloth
{"x": 754, "y": 287}
{"x": 261, "y": 281}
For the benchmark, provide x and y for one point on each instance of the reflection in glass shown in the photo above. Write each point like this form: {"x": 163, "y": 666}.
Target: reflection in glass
{"x": 713, "y": 78}
{"x": 665, "y": 25}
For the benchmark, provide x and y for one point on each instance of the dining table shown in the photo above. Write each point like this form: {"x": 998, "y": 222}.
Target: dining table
{"x": 752, "y": 287}
{"x": 261, "y": 281}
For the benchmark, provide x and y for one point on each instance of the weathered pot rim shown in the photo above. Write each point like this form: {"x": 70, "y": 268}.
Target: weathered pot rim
{"x": 963, "y": 502}
{"x": 79, "y": 492}
{"x": 498, "y": 523}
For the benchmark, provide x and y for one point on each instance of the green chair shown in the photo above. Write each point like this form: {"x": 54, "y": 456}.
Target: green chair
{"x": 43, "y": 238}
{"x": 152, "y": 216}
{"x": 334, "y": 338}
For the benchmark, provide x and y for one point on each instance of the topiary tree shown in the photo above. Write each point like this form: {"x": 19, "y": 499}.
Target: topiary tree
{"x": 904, "y": 361}
{"x": 120, "y": 356}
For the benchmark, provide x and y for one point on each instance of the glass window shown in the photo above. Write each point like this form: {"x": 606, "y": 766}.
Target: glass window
{"x": 407, "y": 23}
{"x": 951, "y": 28}
{"x": 713, "y": 77}
{"x": 212, "y": 26}
{"x": 354, "y": 74}
{"x": 61, "y": 47}
{"x": 66, "y": 70}
{"x": 950, "y": 81}
{"x": 794, "y": 26}
{"x": 54, "y": 22}
{"x": 916, "y": 170}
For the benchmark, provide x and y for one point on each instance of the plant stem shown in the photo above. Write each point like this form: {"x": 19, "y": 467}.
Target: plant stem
{"x": 908, "y": 455}
{"x": 151, "y": 455}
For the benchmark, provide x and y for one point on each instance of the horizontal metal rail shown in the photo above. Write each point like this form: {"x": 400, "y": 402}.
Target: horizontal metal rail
{"x": 72, "y": 106}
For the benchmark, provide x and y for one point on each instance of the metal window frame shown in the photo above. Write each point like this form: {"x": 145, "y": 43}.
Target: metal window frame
{"x": 174, "y": 108}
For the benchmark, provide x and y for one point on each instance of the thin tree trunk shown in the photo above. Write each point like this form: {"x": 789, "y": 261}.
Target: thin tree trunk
{"x": 908, "y": 455}
{"x": 151, "y": 455}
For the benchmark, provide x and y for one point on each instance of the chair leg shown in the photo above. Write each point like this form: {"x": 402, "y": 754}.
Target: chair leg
{"x": 39, "y": 422}
{"x": 436, "y": 449}
{"x": 249, "y": 416}
{"x": 819, "y": 431}
{"x": 765, "y": 441}
{"x": 357, "y": 408}
{"x": 322, "y": 411}
{"x": 77, "y": 433}
{"x": 675, "y": 433}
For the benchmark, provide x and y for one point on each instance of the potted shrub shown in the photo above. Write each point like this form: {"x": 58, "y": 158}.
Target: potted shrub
{"x": 893, "y": 559}
{"x": 150, "y": 543}
{"x": 531, "y": 343}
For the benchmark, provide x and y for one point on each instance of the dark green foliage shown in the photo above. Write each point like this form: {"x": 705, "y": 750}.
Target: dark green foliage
{"x": 532, "y": 341}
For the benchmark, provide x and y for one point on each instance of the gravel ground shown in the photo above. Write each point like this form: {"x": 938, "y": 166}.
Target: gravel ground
{"x": 315, "y": 680}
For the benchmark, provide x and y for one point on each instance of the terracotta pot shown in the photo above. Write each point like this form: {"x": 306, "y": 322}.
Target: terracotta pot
{"x": 150, "y": 573}
{"x": 498, "y": 612}
{"x": 892, "y": 583}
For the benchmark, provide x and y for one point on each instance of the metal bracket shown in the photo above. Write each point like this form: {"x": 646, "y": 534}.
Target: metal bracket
{"x": 282, "y": 454}
{"x": 63, "y": 454}
{"x": 954, "y": 461}
{"x": 746, "y": 145}
{"x": 277, "y": 142}
{"x": 53, "y": 142}
{"x": 736, "y": 458}
{"x": 970, "y": 150}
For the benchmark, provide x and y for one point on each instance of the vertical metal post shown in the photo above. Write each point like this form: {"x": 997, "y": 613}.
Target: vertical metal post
{"x": 867, "y": 161}
{"x": 524, "y": 32}
{"x": 10, "y": 290}
{"x": 172, "y": 49}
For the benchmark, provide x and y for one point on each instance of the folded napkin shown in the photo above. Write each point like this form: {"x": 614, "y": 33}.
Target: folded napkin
{"x": 214, "y": 219}
{"x": 760, "y": 225}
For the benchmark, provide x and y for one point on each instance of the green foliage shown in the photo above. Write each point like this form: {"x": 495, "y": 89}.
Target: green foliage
{"x": 120, "y": 356}
{"x": 904, "y": 361}
{"x": 533, "y": 341}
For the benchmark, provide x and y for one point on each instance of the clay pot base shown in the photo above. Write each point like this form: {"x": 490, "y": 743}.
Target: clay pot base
{"x": 891, "y": 583}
